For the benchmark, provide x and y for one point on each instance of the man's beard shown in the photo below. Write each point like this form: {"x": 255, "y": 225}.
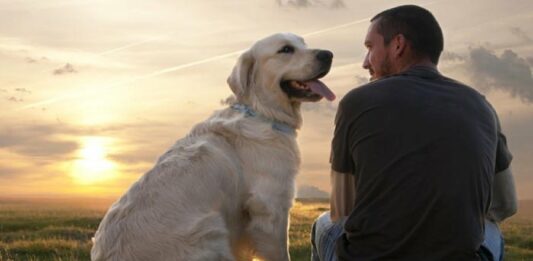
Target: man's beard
{"x": 385, "y": 68}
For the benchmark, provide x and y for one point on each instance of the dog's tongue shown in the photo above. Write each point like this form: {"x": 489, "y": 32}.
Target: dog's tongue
{"x": 319, "y": 87}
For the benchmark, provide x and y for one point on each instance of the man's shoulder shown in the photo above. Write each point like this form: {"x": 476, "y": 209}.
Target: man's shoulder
{"x": 394, "y": 84}
{"x": 371, "y": 91}
{"x": 365, "y": 89}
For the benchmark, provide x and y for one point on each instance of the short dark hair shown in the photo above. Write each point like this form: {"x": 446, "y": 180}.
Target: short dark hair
{"x": 416, "y": 24}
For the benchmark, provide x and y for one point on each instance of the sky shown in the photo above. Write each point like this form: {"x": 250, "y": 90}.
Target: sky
{"x": 93, "y": 92}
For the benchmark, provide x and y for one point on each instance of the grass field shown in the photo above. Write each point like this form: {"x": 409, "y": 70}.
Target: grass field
{"x": 61, "y": 230}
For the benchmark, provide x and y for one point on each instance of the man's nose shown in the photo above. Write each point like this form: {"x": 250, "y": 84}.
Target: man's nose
{"x": 366, "y": 64}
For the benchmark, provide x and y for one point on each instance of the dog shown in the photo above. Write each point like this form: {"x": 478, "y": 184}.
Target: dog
{"x": 224, "y": 191}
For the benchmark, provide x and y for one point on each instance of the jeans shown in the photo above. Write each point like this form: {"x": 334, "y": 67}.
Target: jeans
{"x": 325, "y": 233}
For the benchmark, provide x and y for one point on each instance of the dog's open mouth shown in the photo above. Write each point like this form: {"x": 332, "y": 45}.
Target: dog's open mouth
{"x": 312, "y": 89}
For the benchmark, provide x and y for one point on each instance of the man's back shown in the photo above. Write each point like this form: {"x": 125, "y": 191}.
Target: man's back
{"x": 423, "y": 150}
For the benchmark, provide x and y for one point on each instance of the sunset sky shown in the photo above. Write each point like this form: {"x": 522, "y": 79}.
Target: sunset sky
{"x": 92, "y": 92}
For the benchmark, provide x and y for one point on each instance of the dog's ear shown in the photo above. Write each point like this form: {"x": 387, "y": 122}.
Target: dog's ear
{"x": 241, "y": 77}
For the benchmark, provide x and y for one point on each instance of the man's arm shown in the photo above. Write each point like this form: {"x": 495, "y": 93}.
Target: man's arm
{"x": 342, "y": 195}
{"x": 504, "y": 202}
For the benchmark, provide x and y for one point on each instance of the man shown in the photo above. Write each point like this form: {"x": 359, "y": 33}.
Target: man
{"x": 417, "y": 158}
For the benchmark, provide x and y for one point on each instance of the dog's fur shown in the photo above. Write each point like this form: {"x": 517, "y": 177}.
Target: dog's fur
{"x": 224, "y": 191}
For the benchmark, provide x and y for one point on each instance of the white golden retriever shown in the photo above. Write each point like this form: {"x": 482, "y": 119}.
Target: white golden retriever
{"x": 224, "y": 191}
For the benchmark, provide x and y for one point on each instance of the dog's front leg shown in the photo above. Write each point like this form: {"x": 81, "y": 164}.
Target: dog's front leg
{"x": 268, "y": 228}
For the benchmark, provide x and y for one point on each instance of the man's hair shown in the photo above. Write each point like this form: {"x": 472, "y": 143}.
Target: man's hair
{"x": 417, "y": 25}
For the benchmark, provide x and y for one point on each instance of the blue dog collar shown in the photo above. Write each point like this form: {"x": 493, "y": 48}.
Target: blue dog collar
{"x": 276, "y": 125}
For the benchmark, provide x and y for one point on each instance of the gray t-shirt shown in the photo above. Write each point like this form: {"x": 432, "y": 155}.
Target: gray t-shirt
{"x": 424, "y": 149}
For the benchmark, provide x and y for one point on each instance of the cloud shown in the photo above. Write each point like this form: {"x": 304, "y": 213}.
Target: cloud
{"x": 68, "y": 68}
{"x": 517, "y": 128}
{"x": 50, "y": 147}
{"x": 508, "y": 72}
{"x": 21, "y": 47}
{"x": 47, "y": 140}
{"x": 337, "y": 4}
{"x": 360, "y": 80}
{"x": 307, "y": 191}
{"x": 519, "y": 33}
{"x": 324, "y": 108}
{"x": 294, "y": 3}
{"x": 30, "y": 60}
{"x": 9, "y": 172}
{"x": 34, "y": 60}
{"x": 140, "y": 146}
{"x": 23, "y": 90}
{"x": 327, "y": 109}
{"x": 139, "y": 156}
{"x": 451, "y": 56}
{"x": 312, "y": 3}
{"x": 14, "y": 99}
{"x": 38, "y": 140}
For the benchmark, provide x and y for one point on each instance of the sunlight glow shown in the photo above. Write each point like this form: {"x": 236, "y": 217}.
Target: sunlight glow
{"x": 92, "y": 166}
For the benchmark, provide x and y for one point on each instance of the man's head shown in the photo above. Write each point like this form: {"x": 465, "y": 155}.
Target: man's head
{"x": 400, "y": 37}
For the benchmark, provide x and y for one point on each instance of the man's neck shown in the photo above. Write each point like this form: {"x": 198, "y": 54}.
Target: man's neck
{"x": 402, "y": 67}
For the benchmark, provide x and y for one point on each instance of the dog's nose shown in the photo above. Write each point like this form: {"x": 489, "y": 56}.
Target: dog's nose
{"x": 324, "y": 56}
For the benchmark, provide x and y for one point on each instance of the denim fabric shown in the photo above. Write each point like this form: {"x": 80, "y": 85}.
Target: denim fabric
{"x": 325, "y": 233}
{"x": 492, "y": 249}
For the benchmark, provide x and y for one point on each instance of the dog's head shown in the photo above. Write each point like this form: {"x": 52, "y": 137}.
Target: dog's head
{"x": 278, "y": 73}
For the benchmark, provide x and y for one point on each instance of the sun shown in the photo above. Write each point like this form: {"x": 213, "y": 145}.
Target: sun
{"x": 91, "y": 165}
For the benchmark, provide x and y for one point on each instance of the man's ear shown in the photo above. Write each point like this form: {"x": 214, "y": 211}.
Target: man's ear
{"x": 241, "y": 77}
{"x": 399, "y": 44}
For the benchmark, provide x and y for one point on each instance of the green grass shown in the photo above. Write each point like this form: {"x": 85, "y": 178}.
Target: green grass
{"x": 61, "y": 230}
{"x": 47, "y": 230}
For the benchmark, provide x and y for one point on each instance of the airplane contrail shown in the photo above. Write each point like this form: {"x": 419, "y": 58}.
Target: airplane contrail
{"x": 169, "y": 69}
{"x": 181, "y": 67}
{"x": 152, "y": 39}
{"x": 166, "y": 35}
{"x": 333, "y": 28}
{"x": 120, "y": 83}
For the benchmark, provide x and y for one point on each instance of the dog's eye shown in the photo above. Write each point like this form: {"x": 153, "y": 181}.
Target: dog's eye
{"x": 286, "y": 49}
